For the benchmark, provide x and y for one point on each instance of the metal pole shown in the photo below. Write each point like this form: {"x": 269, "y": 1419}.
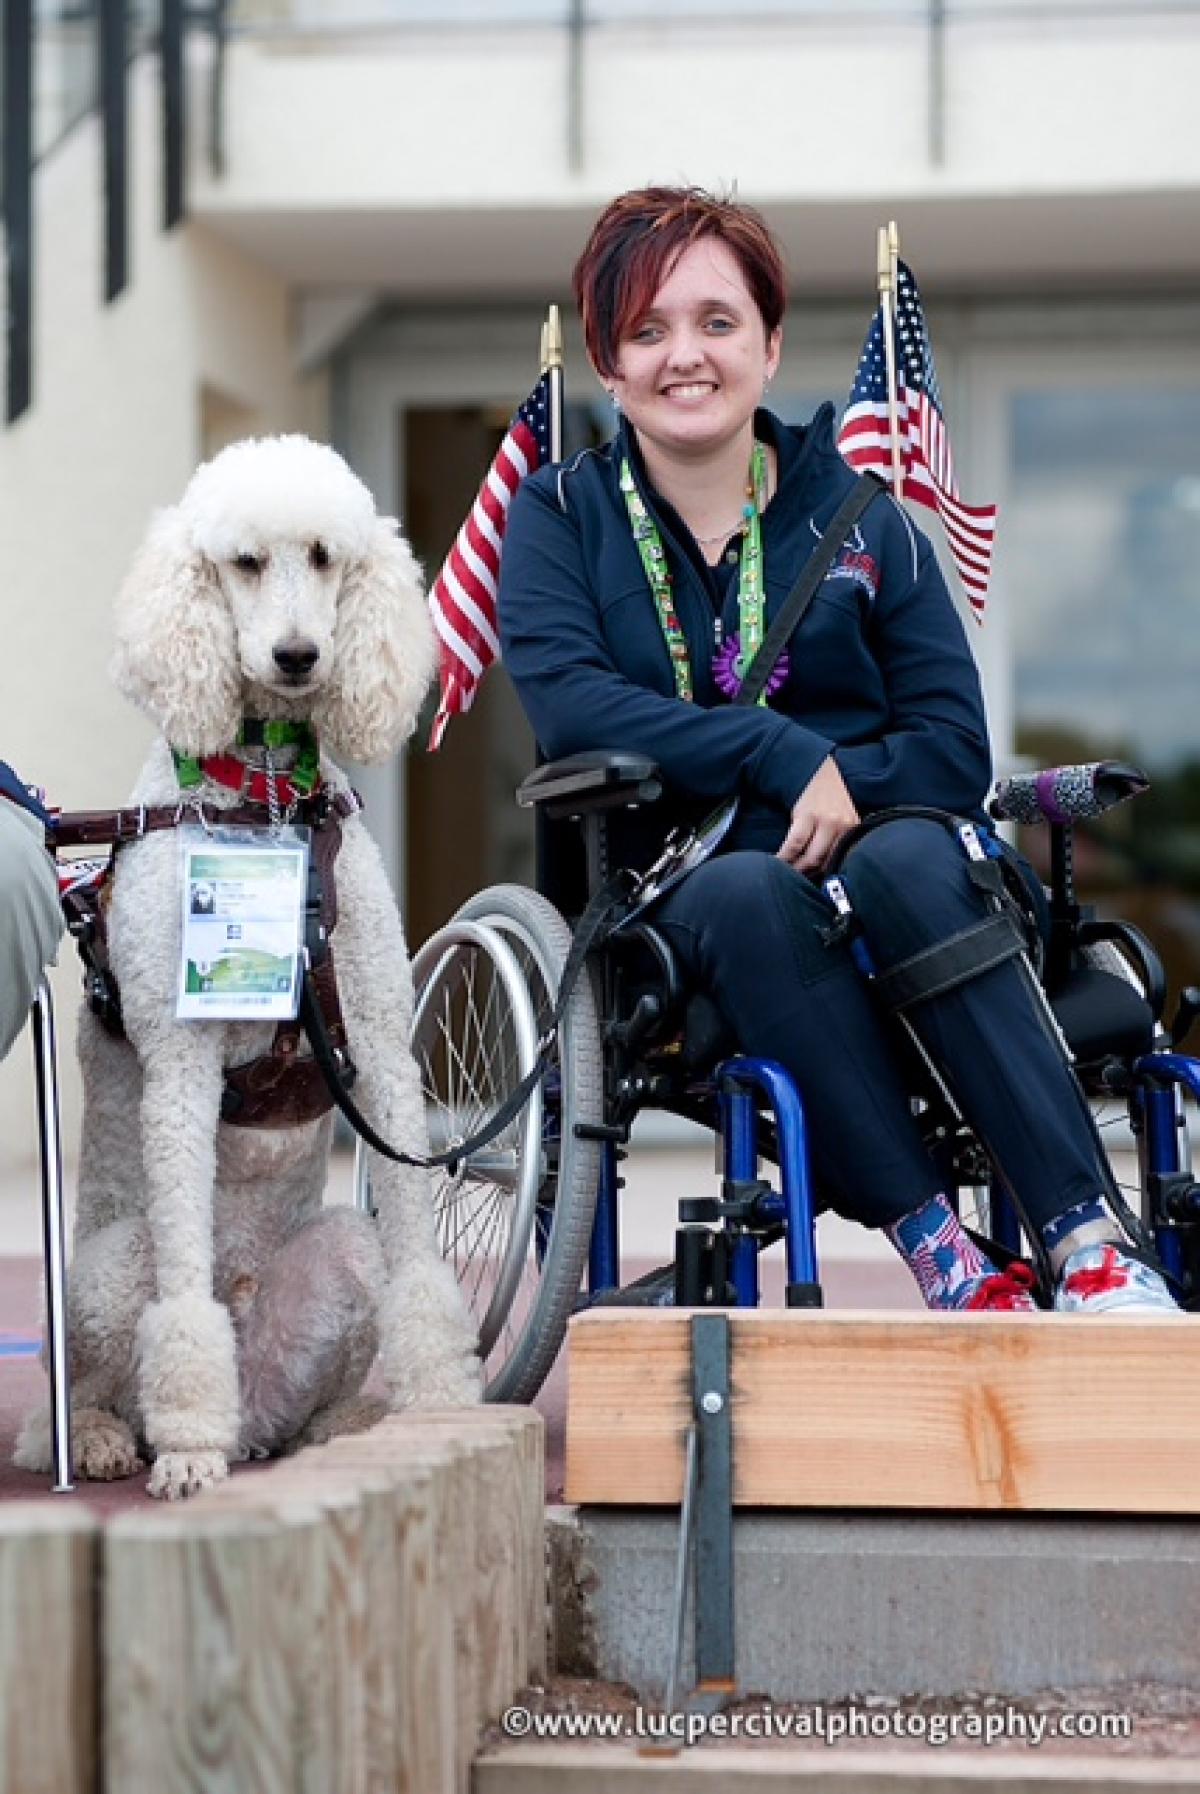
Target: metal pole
{"x": 114, "y": 113}
{"x": 362, "y": 1181}
{"x": 53, "y": 1235}
{"x": 216, "y": 116}
{"x": 552, "y": 364}
{"x": 683, "y": 1560}
{"x": 173, "y": 112}
{"x": 886, "y": 295}
{"x": 576, "y": 29}
{"x": 16, "y": 147}
{"x": 937, "y": 82}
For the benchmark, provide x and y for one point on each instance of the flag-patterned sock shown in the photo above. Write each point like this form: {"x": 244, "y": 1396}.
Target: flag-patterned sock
{"x": 1087, "y": 1224}
{"x": 945, "y": 1261}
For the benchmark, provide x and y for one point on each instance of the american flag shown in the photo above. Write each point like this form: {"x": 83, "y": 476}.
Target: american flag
{"x": 926, "y": 461}
{"x": 462, "y": 600}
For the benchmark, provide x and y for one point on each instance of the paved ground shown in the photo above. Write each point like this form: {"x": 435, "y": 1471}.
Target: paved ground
{"x": 859, "y": 1270}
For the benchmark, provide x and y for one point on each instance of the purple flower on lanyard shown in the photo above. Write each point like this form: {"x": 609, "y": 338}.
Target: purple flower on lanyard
{"x": 729, "y": 679}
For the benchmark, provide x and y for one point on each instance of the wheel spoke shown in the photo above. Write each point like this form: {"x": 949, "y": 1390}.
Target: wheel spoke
{"x": 497, "y": 977}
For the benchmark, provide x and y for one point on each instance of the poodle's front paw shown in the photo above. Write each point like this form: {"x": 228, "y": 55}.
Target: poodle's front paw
{"x": 103, "y": 1447}
{"x": 455, "y": 1382}
{"x": 179, "y": 1473}
{"x": 187, "y": 1383}
{"x": 429, "y": 1348}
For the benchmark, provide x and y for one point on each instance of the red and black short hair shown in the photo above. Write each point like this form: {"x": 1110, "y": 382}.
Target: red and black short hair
{"x": 637, "y": 240}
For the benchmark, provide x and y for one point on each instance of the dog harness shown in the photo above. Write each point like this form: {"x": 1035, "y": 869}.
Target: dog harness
{"x": 280, "y": 1088}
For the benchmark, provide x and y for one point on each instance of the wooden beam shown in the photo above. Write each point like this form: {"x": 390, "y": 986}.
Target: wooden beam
{"x": 48, "y": 1667}
{"x": 1057, "y": 1413}
{"x": 348, "y": 1618}
{"x": 455, "y": 1608}
{"x": 396, "y": 1718}
{"x": 211, "y": 1623}
{"x": 521, "y": 1518}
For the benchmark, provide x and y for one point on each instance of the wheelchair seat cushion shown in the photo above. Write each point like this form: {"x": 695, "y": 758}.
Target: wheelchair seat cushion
{"x": 1102, "y": 1015}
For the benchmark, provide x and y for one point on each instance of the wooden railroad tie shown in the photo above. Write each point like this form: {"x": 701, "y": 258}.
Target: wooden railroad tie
{"x": 1070, "y": 1413}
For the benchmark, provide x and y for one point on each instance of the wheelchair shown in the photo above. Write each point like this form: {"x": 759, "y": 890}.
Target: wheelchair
{"x": 533, "y": 1215}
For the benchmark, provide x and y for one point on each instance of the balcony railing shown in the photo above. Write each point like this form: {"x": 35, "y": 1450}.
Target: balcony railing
{"x": 349, "y": 17}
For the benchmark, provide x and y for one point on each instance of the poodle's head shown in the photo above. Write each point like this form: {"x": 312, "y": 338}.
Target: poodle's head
{"x": 274, "y": 589}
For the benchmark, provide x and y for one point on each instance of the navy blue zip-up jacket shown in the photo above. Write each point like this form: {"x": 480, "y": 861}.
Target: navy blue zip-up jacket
{"x": 880, "y": 673}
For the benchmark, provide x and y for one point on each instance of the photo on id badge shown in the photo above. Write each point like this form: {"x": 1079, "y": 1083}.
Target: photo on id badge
{"x": 243, "y": 908}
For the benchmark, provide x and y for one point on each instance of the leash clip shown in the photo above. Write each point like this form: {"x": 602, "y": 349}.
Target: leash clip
{"x": 676, "y": 849}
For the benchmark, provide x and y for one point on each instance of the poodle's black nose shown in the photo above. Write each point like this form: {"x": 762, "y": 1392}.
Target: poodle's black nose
{"x": 296, "y": 660}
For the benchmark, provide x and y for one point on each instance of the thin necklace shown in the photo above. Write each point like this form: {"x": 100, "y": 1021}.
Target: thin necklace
{"x": 757, "y": 492}
{"x": 722, "y": 535}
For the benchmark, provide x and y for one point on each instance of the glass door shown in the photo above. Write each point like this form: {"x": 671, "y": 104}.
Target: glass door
{"x": 1099, "y": 579}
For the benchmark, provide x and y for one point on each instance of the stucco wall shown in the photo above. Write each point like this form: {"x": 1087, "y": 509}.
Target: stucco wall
{"x": 115, "y": 431}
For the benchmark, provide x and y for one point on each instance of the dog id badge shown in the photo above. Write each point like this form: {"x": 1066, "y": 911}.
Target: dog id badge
{"x": 243, "y": 923}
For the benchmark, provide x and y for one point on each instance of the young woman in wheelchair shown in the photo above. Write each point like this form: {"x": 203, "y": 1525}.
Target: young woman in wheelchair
{"x": 633, "y": 578}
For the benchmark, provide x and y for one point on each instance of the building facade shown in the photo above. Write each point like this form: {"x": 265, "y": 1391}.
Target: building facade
{"x": 382, "y": 197}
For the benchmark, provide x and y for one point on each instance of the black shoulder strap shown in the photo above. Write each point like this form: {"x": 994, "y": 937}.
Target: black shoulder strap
{"x": 867, "y": 487}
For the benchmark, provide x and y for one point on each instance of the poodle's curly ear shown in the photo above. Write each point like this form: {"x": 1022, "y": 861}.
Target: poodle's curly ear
{"x": 176, "y": 654}
{"x": 383, "y": 652}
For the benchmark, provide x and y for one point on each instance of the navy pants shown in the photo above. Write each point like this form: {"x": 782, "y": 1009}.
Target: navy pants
{"x": 749, "y": 928}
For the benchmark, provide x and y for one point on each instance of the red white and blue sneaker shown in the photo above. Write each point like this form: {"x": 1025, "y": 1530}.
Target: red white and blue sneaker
{"x": 1104, "y": 1280}
{"x": 1004, "y": 1292}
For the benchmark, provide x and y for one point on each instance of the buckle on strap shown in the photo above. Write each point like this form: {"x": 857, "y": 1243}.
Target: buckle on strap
{"x": 952, "y": 962}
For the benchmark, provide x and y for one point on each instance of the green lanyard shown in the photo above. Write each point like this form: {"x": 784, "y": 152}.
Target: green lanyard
{"x": 751, "y": 591}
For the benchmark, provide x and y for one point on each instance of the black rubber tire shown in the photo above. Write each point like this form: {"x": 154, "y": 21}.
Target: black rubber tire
{"x": 541, "y": 939}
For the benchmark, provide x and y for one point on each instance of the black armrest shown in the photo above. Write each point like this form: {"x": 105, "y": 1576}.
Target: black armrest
{"x": 602, "y": 779}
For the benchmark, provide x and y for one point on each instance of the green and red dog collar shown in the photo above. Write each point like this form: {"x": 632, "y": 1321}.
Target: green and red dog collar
{"x": 301, "y": 780}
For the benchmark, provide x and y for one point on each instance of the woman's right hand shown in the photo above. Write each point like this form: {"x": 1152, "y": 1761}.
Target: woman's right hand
{"x": 821, "y": 815}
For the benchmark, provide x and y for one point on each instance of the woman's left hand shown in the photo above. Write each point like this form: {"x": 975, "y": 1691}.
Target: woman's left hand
{"x": 821, "y": 815}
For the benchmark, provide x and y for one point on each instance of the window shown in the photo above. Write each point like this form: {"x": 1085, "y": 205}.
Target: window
{"x": 1101, "y": 539}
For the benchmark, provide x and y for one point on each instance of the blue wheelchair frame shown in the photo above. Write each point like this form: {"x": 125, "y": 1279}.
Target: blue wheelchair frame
{"x": 1160, "y": 1076}
{"x": 750, "y": 1212}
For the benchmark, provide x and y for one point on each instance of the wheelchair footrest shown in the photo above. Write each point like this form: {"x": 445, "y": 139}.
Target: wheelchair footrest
{"x": 656, "y": 1289}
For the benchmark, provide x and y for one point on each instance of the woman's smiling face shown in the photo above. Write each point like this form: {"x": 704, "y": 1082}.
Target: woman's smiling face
{"x": 693, "y": 368}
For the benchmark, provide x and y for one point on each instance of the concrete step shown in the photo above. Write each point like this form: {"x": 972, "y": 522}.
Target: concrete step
{"x": 832, "y": 1606}
{"x": 545, "y": 1768}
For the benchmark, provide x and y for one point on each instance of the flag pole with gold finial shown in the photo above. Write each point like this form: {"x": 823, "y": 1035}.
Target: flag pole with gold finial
{"x": 552, "y": 364}
{"x": 888, "y": 254}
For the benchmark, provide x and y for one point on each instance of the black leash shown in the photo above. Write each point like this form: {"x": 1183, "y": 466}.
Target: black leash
{"x": 609, "y": 903}
{"x": 620, "y": 895}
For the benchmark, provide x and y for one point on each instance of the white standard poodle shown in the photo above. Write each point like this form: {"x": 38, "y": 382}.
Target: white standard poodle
{"x": 217, "y": 1309}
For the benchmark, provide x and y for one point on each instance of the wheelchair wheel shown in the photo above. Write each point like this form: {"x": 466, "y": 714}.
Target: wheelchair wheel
{"x": 474, "y": 1039}
{"x": 568, "y": 1167}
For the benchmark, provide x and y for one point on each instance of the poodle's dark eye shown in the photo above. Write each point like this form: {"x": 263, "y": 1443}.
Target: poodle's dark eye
{"x": 318, "y": 556}
{"x": 248, "y": 563}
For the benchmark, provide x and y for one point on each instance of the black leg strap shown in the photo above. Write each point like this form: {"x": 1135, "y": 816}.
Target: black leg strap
{"x": 952, "y": 962}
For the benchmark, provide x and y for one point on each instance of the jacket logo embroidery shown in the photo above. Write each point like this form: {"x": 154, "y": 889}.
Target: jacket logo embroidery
{"x": 860, "y": 567}
{"x": 853, "y": 562}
